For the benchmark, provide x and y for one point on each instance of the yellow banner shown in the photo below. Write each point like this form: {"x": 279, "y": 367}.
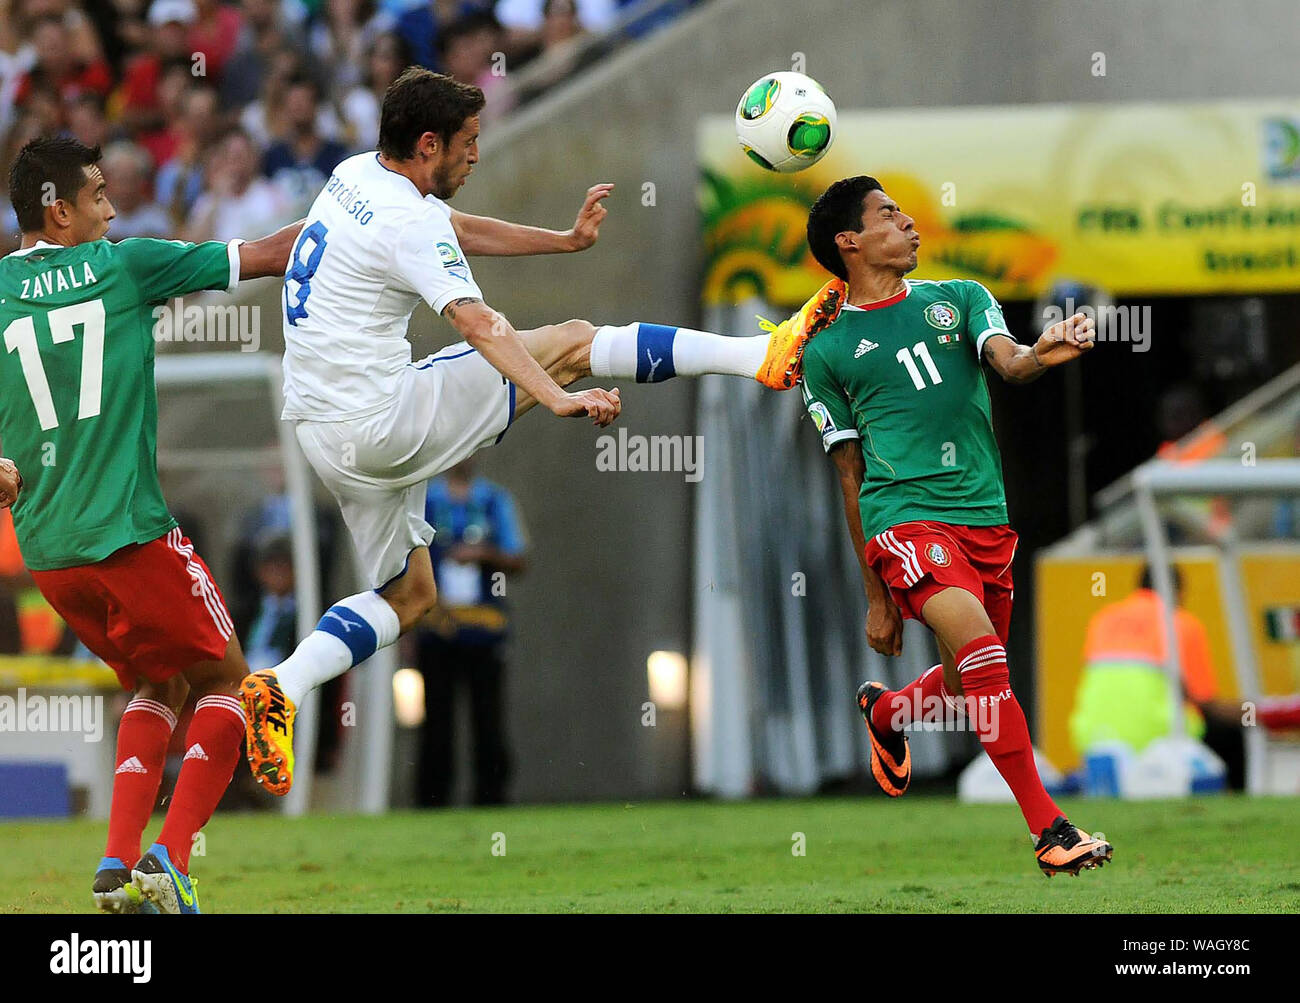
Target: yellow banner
{"x": 1136, "y": 199}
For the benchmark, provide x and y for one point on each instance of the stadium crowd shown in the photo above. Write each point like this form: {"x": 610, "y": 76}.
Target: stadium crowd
{"x": 222, "y": 119}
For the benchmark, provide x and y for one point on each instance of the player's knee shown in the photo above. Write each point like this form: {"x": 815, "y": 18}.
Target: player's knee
{"x": 577, "y": 345}
{"x": 170, "y": 692}
{"x": 415, "y": 603}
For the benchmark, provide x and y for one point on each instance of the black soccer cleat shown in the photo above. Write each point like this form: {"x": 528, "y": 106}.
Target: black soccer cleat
{"x": 1065, "y": 849}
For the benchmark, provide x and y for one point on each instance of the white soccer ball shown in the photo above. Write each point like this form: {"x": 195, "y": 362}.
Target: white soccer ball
{"x": 785, "y": 122}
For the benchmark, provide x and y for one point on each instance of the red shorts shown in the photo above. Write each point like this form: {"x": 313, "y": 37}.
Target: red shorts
{"x": 150, "y": 610}
{"x": 918, "y": 559}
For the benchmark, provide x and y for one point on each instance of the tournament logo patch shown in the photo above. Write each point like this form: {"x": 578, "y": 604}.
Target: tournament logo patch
{"x": 451, "y": 260}
{"x": 821, "y": 417}
{"x": 942, "y": 315}
{"x": 937, "y": 555}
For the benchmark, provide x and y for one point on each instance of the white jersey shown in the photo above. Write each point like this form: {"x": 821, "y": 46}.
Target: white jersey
{"x": 370, "y": 249}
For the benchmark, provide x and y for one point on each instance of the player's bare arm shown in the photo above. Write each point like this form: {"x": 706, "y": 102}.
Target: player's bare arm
{"x": 488, "y": 331}
{"x": 11, "y": 482}
{"x": 1062, "y": 342}
{"x": 884, "y": 622}
{"x": 498, "y": 237}
{"x": 269, "y": 255}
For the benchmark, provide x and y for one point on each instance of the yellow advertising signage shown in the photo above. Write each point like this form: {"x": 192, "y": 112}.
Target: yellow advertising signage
{"x": 1137, "y": 199}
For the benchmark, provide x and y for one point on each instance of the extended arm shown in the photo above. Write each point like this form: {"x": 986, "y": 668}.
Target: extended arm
{"x": 884, "y": 623}
{"x": 489, "y": 333}
{"x": 269, "y": 255}
{"x": 1060, "y": 343}
{"x": 498, "y": 237}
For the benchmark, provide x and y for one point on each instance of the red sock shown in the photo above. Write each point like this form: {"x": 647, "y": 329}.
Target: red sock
{"x": 1000, "y": 724}
{"x": 923, "y": 699}
{"x": 212, "y": 746}
{"x": 142, "y": 740}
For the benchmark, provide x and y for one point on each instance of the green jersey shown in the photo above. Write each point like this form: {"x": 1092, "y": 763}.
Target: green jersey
{"x": 78, "y": 409}
{"x": 904, "y": 377}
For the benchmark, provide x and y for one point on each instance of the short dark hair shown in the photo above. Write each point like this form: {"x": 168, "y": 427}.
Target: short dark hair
{"x": 421, "y": 101}
{"x": 57, "y": 160}
{"x": 838, "y": 209}
{"x": 1147, "y": 581}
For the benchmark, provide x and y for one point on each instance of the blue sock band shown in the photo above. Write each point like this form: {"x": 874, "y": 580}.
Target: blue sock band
{"x": 352, "y": 629}
{"x": 654, "y": 353}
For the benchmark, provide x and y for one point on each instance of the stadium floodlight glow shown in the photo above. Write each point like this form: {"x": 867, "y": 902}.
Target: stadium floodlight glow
{"x": 667, "y": 673}
{"x": 408, "y": 697}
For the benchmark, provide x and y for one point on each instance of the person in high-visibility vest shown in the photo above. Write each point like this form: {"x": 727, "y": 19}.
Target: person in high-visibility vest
{"x": 1124, "y": 694}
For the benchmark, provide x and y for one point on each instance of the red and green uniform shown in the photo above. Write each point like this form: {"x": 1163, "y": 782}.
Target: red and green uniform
{"x": 79, "y": 416}
{"x": 903, "y": 376}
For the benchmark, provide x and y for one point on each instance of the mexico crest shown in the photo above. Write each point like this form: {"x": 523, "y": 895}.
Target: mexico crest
{"x": 937, "y": 555}
{"x": 942, "y": 315}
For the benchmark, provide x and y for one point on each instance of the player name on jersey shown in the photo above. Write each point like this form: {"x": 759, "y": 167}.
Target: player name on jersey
{"x": 57, "y": 280}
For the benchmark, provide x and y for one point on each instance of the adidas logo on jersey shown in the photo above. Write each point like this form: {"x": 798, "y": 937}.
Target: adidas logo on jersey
{"x": 864, "y": 346}
{"x": 130, "y": 765}
{"x": 195, "y": 752}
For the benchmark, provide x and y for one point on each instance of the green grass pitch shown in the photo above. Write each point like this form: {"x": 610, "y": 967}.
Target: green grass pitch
{"x": 919, "y": 854}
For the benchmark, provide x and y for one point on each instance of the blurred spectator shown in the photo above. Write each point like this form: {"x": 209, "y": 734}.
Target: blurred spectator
{"x": 85, "y": 119}
{"x": 235, "y": 201}
{"x": 127, "y": 169}
{"x": 139, "y": 99}
{"x": 273, "y": 634}
{"x": 529, "y": 15}
{"x": 470, "y": 49}
{"x": 478, "y": 541}
{"x": 341, "y": 39}
{"x": 387, "y": 57}
{"x": 213, "y": 32}
{"x": 1124, "y": 693}
{"x": 301, "y": 163}
{"x": 60, "y": 66}
{"x": 180, "y": 179}
{"x": 263, "y": 34}
{"x": 17, "y": 58}
{"x": 267, "y": 119}
{"x": 163, "y": 141}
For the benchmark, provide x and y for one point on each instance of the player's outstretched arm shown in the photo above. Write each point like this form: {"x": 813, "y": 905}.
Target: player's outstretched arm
{"x": 498, "y": 237}
{"x": 11, "y": 482}
{"x": 1060, "y": 343}
{"x": 496, "y": 340}
{"x": 884, "y": 623}
{"x": 268, "y": 255}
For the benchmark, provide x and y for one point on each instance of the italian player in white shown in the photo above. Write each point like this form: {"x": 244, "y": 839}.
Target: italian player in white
{"x": 376, "y": 426}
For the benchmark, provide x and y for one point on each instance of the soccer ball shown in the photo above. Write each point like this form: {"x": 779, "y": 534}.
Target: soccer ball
{"x": 785, "y": 122}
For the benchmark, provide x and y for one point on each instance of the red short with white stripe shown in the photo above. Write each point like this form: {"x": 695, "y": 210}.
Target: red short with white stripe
{"x": 150, "y": 610}
{"x": 918, "y": 559}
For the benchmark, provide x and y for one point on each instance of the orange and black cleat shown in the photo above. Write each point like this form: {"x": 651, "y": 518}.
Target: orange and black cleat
{"x": 891, "y": 757}
{"x": 783, "y": 365}
{"x": 268, "y": 725}
{"x": 1065, "y": 849}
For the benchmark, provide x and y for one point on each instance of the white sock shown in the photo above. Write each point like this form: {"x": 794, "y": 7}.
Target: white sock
{"x": 351, "y": 631}
{"x": 652, "y": 353}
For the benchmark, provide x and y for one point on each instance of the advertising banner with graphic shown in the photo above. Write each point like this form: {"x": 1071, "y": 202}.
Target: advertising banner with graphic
{"x": 1157, "y": 199}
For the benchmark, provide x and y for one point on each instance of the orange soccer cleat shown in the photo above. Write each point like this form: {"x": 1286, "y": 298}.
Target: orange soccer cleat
{"x": 782, "y": 366}
{"x": 891, "y": 756}
{"x": 268, "y": 724}
{"x": 1064, "y": 849}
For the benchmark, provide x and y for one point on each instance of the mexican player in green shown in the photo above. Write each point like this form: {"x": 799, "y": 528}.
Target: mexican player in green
{"x": 79, "y": 417}
{"x": 895, "y": 385}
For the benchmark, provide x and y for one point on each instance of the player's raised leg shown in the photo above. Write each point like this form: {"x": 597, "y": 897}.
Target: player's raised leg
{"x": 960, "y": 621}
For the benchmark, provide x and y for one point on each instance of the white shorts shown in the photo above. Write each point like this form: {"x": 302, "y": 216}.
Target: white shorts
{"x": 449, "y": 405}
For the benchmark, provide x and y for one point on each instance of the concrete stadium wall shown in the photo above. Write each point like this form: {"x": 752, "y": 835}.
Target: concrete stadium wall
{"x": 611, "y": 551}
